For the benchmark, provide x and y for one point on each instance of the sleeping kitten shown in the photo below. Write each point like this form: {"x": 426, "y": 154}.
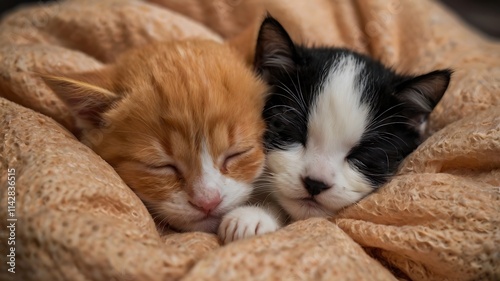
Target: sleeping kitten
{"x": 338, "y": 123}
{"x": 180, "y": 122}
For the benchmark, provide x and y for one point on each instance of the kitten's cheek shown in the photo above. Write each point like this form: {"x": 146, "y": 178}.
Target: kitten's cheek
{"x": 209, "y": 225}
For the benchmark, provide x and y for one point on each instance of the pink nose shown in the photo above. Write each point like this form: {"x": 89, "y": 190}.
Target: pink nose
{"x": 206, "y": 205}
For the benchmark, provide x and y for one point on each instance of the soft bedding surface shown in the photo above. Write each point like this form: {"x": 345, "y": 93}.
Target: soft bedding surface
{"x": 438, "y": 219}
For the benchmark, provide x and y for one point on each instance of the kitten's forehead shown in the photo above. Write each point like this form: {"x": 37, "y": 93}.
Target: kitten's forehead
{"x": 338, "y": 116}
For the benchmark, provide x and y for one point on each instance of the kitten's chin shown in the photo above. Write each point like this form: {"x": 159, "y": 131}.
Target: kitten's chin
{"x": 300, "y": 209}
{"x": 208, "y": 224}
{"x": 184, "y": 219}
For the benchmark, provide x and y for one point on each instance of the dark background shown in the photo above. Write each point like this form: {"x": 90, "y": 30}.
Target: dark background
{"x": 484, "y": 14}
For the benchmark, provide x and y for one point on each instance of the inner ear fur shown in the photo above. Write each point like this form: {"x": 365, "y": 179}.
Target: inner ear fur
{"x": 421, "y": 94}
{"x": 275, "y": 49}
{"x": 88, "y": 95}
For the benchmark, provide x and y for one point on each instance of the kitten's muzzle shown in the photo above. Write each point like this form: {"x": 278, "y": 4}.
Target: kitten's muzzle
{"x": 314, "y": 187}
{"x": 206, "y": 205}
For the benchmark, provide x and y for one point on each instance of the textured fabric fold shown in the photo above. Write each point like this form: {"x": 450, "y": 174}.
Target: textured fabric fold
{"x": 438, "y": 219}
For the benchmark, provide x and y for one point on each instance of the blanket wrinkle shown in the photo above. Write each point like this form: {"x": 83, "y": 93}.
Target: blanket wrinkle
{"x": 437, "y": 219}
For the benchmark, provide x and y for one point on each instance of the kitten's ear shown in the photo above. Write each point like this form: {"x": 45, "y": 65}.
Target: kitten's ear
{"x": 88, "y": 95}
{"x": 421, "y": 94}
{"x": 275, "y": 50}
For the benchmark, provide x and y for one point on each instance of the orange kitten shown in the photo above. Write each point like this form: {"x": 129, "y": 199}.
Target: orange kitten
{"x": 181, "y": 124}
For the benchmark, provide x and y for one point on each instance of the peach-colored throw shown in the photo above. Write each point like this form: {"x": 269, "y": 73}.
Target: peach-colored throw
{"x": 438, "y": 219}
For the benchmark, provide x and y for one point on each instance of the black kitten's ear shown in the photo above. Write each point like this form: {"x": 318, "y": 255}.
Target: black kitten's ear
{"x": 275, "y": 49}
{"x": 421, "y": 94}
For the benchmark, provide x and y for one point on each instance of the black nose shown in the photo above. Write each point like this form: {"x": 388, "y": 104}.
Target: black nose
{"x": 314, "y": 187}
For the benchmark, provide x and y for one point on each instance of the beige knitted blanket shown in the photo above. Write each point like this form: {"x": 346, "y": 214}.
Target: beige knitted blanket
{"x": 439, "y": 219}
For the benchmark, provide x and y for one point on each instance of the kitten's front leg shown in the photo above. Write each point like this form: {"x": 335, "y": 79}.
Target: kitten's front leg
{"x": 247, "y": 221}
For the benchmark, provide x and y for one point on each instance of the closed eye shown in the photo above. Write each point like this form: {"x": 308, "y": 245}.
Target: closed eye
{"x": 168, "y": 168}
{"x": 234, "y": 156}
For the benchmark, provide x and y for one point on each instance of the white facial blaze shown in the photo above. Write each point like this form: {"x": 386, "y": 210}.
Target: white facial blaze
{"x": 336, "y": 124}
{"x": 211, "y": 180}
{"x": 338, "y": 118}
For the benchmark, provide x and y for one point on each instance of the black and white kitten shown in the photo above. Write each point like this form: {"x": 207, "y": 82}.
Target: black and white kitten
{"x": 338, "y": 123}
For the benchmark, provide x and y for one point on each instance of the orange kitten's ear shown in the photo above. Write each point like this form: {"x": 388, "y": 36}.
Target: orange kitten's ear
{"x": 88, "y": 95}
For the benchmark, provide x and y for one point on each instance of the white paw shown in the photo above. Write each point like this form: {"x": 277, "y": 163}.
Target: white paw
{"x": 244, "y": 222}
